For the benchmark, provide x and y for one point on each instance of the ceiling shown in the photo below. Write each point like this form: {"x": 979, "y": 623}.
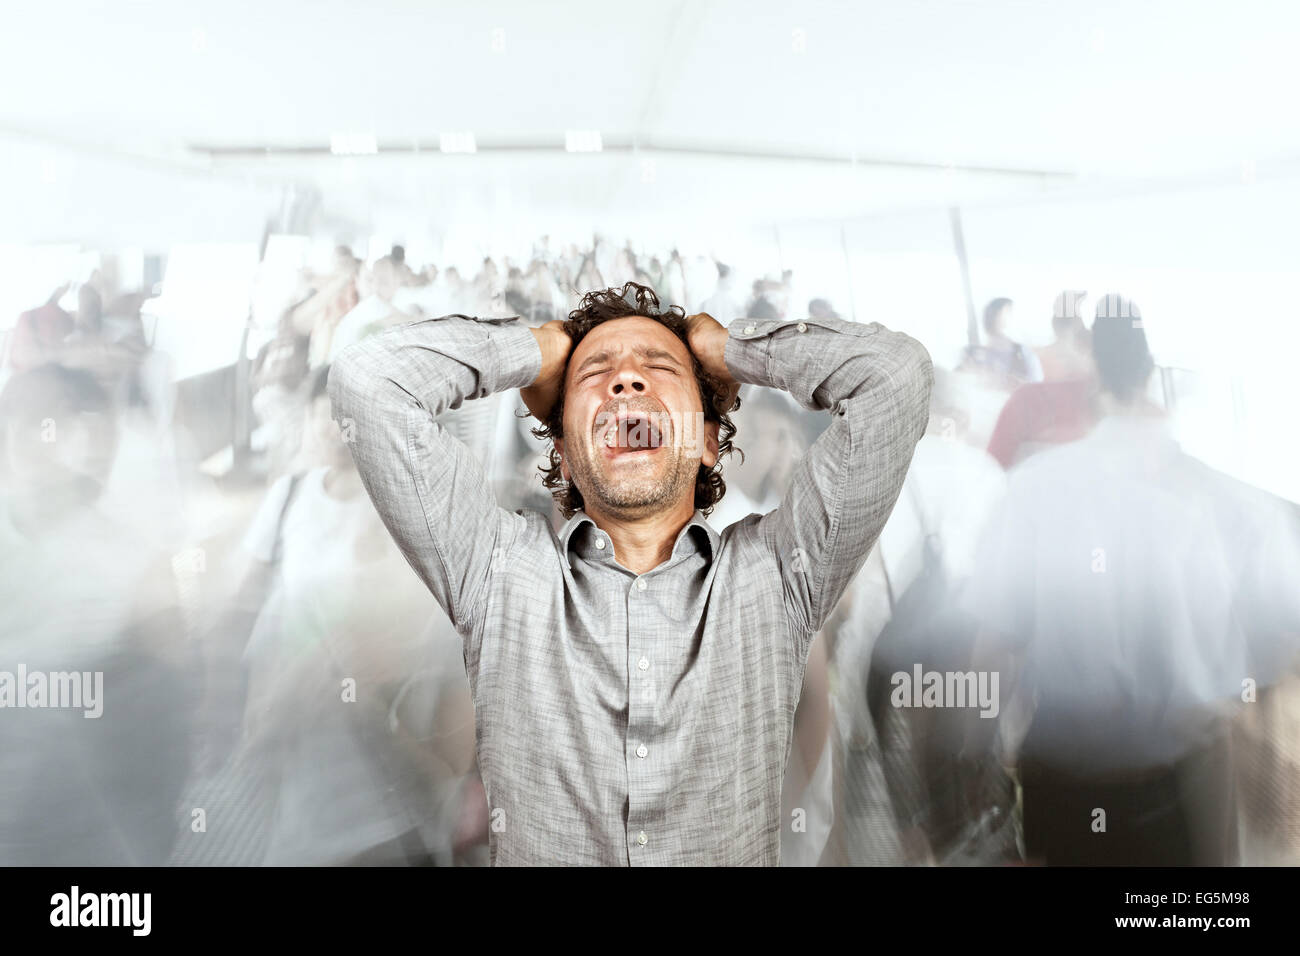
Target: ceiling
{"x": 721, "y": 108}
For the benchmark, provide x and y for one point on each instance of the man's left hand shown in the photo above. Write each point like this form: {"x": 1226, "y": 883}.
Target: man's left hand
{"x": 707, "y": 338}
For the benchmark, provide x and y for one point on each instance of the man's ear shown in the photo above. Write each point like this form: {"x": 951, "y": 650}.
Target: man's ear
{"x": 564, "y": 464}
{"x": 709, "y": 456}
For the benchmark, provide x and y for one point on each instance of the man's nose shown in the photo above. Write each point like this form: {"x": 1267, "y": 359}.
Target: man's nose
{"x": 627, "y": 380}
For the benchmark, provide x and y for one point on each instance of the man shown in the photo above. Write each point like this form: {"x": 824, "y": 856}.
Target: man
{"x": 1116, "y": 585}
{"x": 635, "y": 674}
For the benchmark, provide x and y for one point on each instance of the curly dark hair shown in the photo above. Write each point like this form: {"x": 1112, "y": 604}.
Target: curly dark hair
{"x": 635, "y": 299}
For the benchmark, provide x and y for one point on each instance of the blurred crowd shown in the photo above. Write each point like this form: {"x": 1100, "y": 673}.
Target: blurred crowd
{"x": 279, "y": 688}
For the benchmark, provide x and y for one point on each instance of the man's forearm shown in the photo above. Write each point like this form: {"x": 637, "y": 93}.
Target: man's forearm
{"x": 434, "y": 364}
{"x": 822, "y": 362}
{"x": 432, "y": 494}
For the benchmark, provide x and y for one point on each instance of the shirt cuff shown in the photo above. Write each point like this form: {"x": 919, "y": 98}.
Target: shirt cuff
{"x": 746, "y": 352}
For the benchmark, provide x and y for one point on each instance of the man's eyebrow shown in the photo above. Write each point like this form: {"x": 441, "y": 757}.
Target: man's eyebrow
{"x": 650, "y": 352}
{"x": 593, "y": 359}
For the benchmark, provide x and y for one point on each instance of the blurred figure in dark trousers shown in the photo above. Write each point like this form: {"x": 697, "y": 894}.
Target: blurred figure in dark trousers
{"x": 1115, "y": 589}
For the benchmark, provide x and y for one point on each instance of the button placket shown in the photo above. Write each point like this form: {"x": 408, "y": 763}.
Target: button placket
{"x": 640, "y": 705}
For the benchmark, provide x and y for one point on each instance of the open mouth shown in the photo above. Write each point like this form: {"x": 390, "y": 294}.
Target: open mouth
{"x": 632, "y": 432}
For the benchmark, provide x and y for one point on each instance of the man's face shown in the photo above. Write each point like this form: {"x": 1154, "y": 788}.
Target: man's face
{"x": 634, "y": 426}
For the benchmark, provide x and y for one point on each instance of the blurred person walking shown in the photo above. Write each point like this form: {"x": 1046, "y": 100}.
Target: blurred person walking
{"x": 1121, "y": 617}
{"x": 83, "y": 596}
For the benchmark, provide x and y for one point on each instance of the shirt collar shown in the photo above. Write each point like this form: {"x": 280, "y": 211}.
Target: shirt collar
{"x": 580, "y": 534}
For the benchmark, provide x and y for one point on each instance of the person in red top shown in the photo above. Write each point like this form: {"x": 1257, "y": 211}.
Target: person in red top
{"x": 1041, "y": 414}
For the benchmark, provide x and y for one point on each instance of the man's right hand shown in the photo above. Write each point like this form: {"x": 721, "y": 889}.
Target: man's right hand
{"x": 541, "y": 396}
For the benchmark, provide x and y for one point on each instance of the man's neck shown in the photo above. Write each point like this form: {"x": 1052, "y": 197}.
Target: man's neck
{"x": 642, "y": 544}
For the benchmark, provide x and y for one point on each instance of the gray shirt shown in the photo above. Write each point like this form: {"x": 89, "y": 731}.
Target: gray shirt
{"x": 627, "y": 719}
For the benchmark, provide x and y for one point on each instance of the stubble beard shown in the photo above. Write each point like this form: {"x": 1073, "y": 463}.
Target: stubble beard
{"x": 637, "y": 490}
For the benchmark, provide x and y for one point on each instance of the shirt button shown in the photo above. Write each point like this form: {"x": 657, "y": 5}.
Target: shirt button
{"x": 749, "y": 329}
{"x": 600, "y": 544}
{"x": 641, "y": 838}
{"x": 642, "y": 750}
{"x": 640, "y": 584}
{"x": 642, "y": 664}
{"x": 802, "y": 326}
